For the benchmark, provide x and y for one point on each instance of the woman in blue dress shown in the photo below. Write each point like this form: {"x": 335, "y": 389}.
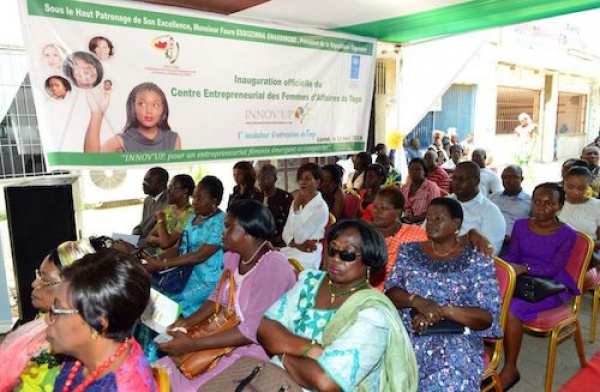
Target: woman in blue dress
{"x": 445, "y": 278}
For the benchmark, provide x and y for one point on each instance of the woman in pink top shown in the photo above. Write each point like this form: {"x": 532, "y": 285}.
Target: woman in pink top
{"x": 262, "y": 275}
{"x": 418, "y": 192}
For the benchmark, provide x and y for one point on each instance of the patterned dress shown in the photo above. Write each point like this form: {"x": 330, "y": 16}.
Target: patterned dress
{"x": 175, "y": 222}
{"x": 134, "y": 375}
{"x": 449, "y": 362}
{"x": 351, "y": 358}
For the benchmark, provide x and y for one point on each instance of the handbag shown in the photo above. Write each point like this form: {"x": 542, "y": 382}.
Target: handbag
{"x": 249, "y": 374}
{"x": 441, "y": 327}
{"x": 223, "y": 318}
{"x": 534, "y": 289}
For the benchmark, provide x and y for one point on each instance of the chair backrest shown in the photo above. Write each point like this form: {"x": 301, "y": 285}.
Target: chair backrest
{"x": 578, "y": 262}
{"x": 161, "y": 375}
{"x": 298, "y": 267}
{"x": 324, "y": 259}
{"x": 507, "y": 279}
{"x": 352, "y": 204}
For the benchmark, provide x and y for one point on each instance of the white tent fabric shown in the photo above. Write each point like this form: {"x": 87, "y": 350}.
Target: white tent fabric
{"x": 14, "y": 66}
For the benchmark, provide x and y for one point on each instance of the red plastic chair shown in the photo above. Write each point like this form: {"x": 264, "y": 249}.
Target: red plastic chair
{"x": 507, "y": 279}
{"x": 561, "y": 322}
{"x": 592, "y": 281}
{"x": 352, "y": 204}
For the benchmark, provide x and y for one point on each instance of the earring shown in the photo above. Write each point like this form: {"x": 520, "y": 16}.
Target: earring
{"x": 94, "y": 334}
{"x": 368, "y": 273}
{"x": 456, "y": 232}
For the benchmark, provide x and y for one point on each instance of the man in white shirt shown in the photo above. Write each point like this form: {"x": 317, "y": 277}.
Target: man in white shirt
{"x": 514, "y": 203}
{"x": 479, "y": 212}
{"x": 456, "y": 154}
{"x": 490, "y": 181}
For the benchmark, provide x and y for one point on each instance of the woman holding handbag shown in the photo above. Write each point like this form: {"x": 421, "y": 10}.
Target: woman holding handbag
{"x": 540, "y": 247}
{"x": 261, "y": 275}
{"x": 332, "y": 331}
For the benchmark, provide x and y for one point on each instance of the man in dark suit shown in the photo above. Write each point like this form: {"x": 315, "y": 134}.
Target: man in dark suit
{"x": 155, "y": 186}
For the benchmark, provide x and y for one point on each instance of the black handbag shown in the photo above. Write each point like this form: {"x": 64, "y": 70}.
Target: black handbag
{"x": 172, "y": 280}
{"x": 533, "y": 289}
{"x": 441, "y": 327}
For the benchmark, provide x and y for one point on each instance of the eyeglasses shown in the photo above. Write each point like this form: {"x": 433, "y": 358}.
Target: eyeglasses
{"x": 60, "y": 312}
{"x": 42, "y": 282}
{"x": 345, "y": 255}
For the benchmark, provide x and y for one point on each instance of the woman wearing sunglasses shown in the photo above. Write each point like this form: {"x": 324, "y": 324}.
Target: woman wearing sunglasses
{"x": 331, "y": 320}
{"x": 97, "y": 303}
{"x": 445, "y": 278}
{"x": 26, "y": 363}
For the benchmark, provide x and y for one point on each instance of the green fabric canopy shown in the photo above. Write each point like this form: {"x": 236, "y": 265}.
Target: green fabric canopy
{"x": 464, "y": 17}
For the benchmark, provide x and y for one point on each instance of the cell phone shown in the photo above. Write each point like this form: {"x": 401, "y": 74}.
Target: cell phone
{"x": 163, "y": 338}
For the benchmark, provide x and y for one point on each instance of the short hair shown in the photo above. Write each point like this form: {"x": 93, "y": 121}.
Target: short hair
{"x": 186, "y": 182}
{"x": 109, "y": 284}
{"x": 94, "y": 42}
{"x": 383, "y": 160}
{"x": 517, "y": 169}
{"x": 247, "y": 171}
{"x": 62, "y": 80}
{"x": 161, "y": 174}
{"x": 364, "y": 158}
{"x": 452, "y": 206}
{"x": 470, "y": 167}
{"x": 378, "y": 148}
{"x": 394, "y": 195}
{"x": 579, "y": 171}
{"x": 132, "y": 120}
{"x": 372, "y": 245}
{"x": 575, "y": 162}
{"x": 481, "y": 151}
{"x": 420, "y": 161}
{"x": 553, "y": 186}
{"x": 254, "y": 217}
{"x": 269, "y": 168}
{"x": 378, "y": 169}
{"x": 456, "y": 147}
{"x": 311, "y": 167}
{"x": 336, "y": 172}
{"x": 214, "y": 187}
{"x": 86, "y": 57}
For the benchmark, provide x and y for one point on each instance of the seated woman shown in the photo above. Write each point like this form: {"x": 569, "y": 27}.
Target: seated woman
{"x": 171, "y": 221}
{"x": 446, "y": 279}
{"x": 539, "y": 246}
{"x": 200, "y": 245}
{"x": 393, "y": 176}
{"x": 306, "y": 222}
{"x": 375, "y": 177}
{"x": 332, "y": 331}
{"x": 97, "y": 303}
{"x": 580, "y": 211}
{"x": 387, "y": 211}
{"x": 418, "y": 192}
{"x": 25, "y": 359}
{"x": 331, "y": 189}
{"x": 356, "y": 178}
{"x": 261, "y": 274}
{"x": 244, "y": 176}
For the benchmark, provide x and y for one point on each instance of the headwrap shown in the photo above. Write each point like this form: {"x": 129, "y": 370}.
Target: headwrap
{"x": 70, "y": 251}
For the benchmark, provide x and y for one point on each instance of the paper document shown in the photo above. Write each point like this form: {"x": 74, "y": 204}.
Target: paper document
{"x": 161, "y": 312}
{"x": 131, "y": 238}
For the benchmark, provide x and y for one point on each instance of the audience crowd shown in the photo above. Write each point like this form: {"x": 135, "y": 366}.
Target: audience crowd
{"x": 372, "y": 284}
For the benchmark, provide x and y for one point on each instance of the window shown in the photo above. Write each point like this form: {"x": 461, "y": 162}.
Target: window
{"x": 570, "y": 116}
{"x": 512, "y": 102}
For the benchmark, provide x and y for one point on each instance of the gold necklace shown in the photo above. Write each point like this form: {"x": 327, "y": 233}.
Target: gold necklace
{"x": 435, "y": 252}
{"x": 333, "y": 294}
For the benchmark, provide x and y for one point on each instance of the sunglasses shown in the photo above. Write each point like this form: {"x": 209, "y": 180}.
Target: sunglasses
{"x": 345, "y": 255}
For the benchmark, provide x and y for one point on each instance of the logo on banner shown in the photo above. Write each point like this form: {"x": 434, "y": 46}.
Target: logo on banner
{"x": 355, "y": 67}
{"x": 168, "y": 45}
{"x": 301, "y": 112}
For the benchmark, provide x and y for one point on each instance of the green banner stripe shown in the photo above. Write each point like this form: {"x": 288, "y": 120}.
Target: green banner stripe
{"x": 464, "y": 17}
{"x": 141, "y": 19}
{"x": 151, "y": 157}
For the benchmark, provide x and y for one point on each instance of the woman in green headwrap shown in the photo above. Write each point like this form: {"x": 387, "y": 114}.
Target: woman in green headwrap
{"x": 25, "y": 360}
{"x": 332, "y": 331}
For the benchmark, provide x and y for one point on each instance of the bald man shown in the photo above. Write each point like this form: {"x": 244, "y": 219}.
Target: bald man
{"x": 490, "y": 181}
{"x": 514, "y": 203}
{"x": 479, "y": 212}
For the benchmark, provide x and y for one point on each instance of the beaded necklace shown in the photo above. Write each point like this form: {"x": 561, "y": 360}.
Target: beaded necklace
{"x": 92, "y": 377}
{"x": 334, "y": 294}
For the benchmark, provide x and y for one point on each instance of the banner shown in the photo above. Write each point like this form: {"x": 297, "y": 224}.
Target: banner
{"x": 125, "y": 83}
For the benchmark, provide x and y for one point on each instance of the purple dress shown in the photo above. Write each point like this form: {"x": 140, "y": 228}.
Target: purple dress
{"x": 546, "y": 256}
{"x": 257, "y": 290}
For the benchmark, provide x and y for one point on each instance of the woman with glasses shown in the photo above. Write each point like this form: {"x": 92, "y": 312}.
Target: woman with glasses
{"x": 171, "y": 221}
{"x": 26, "y": 363}
{"x": 332, "y": 331}
{"x": 445, "y": 278}
{"x": 98, "y": 301}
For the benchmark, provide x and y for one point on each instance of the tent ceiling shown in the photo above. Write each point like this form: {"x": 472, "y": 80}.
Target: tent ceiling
{"x": 391, "y": 20}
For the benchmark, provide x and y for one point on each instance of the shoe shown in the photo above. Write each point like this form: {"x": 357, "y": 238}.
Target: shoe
{"x": 513, "y": 383}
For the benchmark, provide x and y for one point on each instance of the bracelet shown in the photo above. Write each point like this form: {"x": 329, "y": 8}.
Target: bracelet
{"x": 282, "y": 360}
{"x": 308, "y": 347}
{"x": 159, "y": 221}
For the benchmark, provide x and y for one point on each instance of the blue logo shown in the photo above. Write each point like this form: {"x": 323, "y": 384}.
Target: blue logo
{"x": 355, "y": 67}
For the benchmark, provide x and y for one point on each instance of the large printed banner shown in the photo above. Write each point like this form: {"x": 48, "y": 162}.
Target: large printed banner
{"x": 126, "y": 83}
